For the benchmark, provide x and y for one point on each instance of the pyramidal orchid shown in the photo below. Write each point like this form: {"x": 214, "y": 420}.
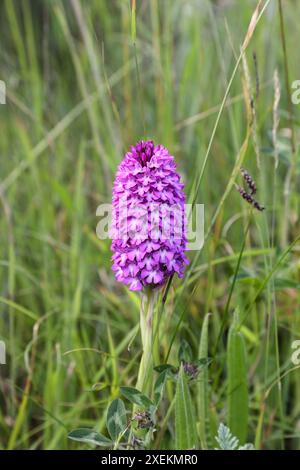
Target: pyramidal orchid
{"x": 149, "y": 234}
{"x": 148, "y": 226}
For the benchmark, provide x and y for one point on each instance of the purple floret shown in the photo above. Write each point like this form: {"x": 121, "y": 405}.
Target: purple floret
{"x": 148, "y": 223}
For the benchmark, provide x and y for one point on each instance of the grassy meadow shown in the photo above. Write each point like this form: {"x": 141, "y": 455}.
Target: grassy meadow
{"x": 212, "y": 81}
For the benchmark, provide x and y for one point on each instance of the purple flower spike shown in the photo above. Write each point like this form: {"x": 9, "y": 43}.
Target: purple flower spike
{"x": 148, "y": 222}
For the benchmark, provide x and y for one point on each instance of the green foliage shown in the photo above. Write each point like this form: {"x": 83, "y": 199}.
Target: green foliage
{"x": 185, "y": 352}
{"x": 88, "y": 436}
{"x": 185, "y": 425}
{"x": 203, "y": 387}
{"x": 237, "y": 384}
{"x": 159, "y": 385}
{"x": 136, "y": 397}
{"x": 227, "y": 441}
{"x": 79, "y": 93}
{"x": 116, "y": 420}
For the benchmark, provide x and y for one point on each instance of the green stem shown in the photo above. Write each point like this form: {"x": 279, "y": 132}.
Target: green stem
{"x": 146, "y": 324}
{"x": 145, "y": 373}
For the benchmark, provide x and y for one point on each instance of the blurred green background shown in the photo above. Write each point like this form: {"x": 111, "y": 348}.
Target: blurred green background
{"x": 81, "y": 88}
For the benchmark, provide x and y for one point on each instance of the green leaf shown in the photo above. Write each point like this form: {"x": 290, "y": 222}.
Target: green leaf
{"x": 116, "y": 420}
{"x": 89, "y": 436}
{"x": 185, "y": 352}
{"x": 136, "y": 397}
{"x": 237, "y": 385}
{"x": 227, "y": 441}
{"x": 162, "y": 367}
{"x": 203, "y": 385}
{"x": 99, "y": 386}
{"x": 159, "y": 385}
{"x": 225, "y": 438}
{"x": 185, "y": 418}
{"x": 203, "y": 361}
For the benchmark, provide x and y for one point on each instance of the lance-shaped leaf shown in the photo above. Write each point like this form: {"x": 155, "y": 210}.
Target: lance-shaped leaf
{"x": 237, "y": 385}
{"x": 185, "y": 352}
{"x": 89, "y": 436}
{"x": 203, "y": 386}
{"x": 185, "y": 418}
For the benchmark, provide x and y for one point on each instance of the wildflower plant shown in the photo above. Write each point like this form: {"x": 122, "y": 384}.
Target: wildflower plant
{"x": 148, "y": 243}
{"x": 148, "y": 231}
{"x": 149, "y": 226}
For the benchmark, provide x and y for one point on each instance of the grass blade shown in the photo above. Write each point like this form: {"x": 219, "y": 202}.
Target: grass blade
{"x": 202, "y": 387}
{"x": 237, "y": 384}
{"x": 185, "y": 425}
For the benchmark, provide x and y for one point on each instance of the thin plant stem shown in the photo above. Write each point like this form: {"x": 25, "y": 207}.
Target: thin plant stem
{"x": 143, "y": 384}
{"x": 287, "y": 78}
{"x": 138, "y": 77}
{"x": 291, "y": 170}
{"x": 146, "y": 324}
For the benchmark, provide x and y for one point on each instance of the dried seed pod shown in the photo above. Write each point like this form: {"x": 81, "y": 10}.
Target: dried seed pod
{"x": 249, "y": 198}
{"x": 258, "y": 206}
{"x": 256, "y": 74}
{"x": 249, "y": 181}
